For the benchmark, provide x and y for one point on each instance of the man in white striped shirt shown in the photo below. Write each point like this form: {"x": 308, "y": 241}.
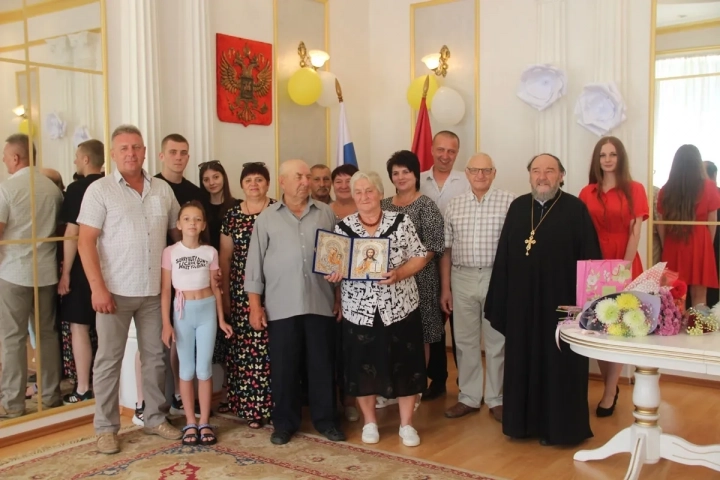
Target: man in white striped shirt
{"x": 473, "y": 222}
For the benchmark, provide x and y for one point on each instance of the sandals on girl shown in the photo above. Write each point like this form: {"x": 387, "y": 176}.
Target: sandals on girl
{"x": 190, "y": 435}
{"x": 207, "y": 439}
{"x": 224, "y": 407}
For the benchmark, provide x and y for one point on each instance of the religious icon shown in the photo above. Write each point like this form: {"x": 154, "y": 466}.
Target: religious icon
{"x": 244, "y": 81}
{"x": 369, "y": 258}
{"x": 332, "y": 253}
{"x": 355, "y": 258}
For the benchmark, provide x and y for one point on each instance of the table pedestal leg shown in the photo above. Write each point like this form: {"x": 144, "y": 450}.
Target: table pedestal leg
{"x": 644, "y": 439}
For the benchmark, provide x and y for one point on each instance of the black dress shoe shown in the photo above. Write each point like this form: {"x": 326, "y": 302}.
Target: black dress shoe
{"x": 602, "y": 412}
{"x": 334, "y": 434}
{"x": 544, "y": 442}
{"x": 280, "y": 437}
{"x": 435, "y": 390}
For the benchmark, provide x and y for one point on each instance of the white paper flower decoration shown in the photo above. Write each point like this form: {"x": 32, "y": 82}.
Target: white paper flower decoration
{"x": 81, "y": 134}
{"x": 542, "y": 85}
{"x": 600, "y": 108}
{"x": 55, "y": 126}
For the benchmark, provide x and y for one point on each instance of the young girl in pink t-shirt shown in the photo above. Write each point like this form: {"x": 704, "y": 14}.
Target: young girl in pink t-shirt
{"x": 197, "y": 312}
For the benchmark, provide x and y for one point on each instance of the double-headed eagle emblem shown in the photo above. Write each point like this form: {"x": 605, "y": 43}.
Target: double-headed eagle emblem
{"x": 247, "y": 88}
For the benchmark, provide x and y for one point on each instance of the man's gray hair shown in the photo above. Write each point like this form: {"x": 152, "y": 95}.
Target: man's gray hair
{"x": 371, "y": 177}
{"x": 126, "y": 129}
{"x": 22, "y": 141}
{"x": 480, "y": 154}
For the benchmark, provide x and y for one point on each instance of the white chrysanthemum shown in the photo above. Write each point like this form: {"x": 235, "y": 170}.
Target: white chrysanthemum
{"x": 641, "y": 330}
{"x": 634, "y": 318}
{"x": 607, "y": 311}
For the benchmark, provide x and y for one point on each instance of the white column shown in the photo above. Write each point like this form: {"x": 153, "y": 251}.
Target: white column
{"x": 551, "y": 135}
{"x": 611, "y": 48}
{"x": 140, "y": 103}
{"x": 198, "y": 82}
{"x": 186, "y": 74}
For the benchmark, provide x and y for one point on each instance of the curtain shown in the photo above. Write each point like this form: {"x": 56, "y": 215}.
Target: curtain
{"x": 687, "y": 110}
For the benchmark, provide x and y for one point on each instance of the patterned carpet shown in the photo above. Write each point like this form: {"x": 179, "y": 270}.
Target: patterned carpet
{"x": 240, "y": 453}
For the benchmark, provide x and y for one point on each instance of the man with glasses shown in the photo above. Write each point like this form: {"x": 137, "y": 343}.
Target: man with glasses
{"x": 442, "y": 183}
{"x": 473, "y": 222}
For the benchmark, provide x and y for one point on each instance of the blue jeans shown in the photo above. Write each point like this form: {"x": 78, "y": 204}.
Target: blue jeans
{"x": 196, "y": 329}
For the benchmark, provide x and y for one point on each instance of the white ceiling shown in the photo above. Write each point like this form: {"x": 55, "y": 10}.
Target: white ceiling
{"x": 677, "y": 12}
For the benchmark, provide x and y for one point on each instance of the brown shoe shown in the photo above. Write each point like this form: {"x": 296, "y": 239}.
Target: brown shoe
{"x": 496, "y": 412}
{"x": 107, "y": 443}
{"x": 165, "y": 430}
{"x": 10, "y": 414}
{"x": 459, "y": 410}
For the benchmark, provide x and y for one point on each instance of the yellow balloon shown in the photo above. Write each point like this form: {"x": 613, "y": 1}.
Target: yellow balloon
{"x": 415, "y": 91}
{"x": 25, "y": 127}
{"x": 305, "y": 86}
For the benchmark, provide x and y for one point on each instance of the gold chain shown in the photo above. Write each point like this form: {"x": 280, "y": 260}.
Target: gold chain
{"x": 531, "y": 239}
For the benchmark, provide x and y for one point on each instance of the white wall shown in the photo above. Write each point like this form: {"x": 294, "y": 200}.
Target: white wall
{"x": 234, "y": 143}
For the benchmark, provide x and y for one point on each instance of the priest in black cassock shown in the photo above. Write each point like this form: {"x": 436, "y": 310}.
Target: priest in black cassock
{"x": 544, "y": 235}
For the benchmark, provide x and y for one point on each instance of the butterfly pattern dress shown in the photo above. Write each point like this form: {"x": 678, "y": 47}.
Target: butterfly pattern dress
{"x": 248, "y": 358}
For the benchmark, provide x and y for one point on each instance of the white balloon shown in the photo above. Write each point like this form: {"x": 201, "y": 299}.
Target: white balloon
{"x": 448, "y": 107}
{"x": 328, "y": 96}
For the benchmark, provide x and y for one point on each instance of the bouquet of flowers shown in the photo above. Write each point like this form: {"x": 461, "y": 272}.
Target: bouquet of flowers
{"x": 670, "y": 315}
{"x": 626, "y": 314}
{"x": 700, "y": 320}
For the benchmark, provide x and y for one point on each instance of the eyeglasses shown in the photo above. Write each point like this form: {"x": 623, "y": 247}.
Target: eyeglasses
{"x": 485, "y": 171}
{"x": 259, "y": 164}
{"x": 209, "y": 163}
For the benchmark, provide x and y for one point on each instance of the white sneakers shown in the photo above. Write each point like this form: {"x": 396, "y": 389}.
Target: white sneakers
{"x": 370, "y": 433}
{"x": 408, "y": 434}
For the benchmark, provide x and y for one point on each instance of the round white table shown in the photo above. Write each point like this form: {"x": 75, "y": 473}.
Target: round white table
{"x": 644, "y": 439}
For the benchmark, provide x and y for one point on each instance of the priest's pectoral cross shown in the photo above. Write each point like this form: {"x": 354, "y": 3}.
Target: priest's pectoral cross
{"x": 530, "y": 242}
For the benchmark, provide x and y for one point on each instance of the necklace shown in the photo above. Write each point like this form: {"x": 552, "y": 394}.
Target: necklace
{"x": 247, "y": 207}
{"x": 531, "y": 239}
{"x": 370, "y": 224}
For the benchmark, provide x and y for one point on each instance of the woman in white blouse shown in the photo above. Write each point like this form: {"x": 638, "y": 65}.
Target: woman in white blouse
{"x": 382, "y": 330}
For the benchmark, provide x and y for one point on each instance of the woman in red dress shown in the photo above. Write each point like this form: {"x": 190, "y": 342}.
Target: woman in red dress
{"x": 689, "y": 195}
{"x": 618, "y": 206}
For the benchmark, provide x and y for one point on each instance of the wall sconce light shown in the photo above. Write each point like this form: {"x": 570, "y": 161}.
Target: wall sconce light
{"x": 437, "y": 62}
{"x": 313, "y": 58}
{"x": 20, "y": 111}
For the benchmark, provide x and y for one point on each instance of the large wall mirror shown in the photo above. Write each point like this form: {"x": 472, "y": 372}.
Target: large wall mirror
{"x": 302, "y": 131}
{"x": 53, "y": 72}
{"x": 685, "y": 110}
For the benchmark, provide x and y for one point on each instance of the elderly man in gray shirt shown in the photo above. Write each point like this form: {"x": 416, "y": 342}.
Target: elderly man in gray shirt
{"x": 298, "y": 304}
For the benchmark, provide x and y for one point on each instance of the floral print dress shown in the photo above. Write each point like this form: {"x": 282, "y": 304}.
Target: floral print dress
{"x": 248, "y": 358}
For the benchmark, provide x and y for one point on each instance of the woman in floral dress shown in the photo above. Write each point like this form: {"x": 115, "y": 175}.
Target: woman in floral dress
{"x": 248, "y": 360}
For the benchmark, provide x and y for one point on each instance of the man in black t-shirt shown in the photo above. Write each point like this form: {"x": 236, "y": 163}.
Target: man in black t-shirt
{"x": 76, "y": 307}
{"x": 174, "y": 155}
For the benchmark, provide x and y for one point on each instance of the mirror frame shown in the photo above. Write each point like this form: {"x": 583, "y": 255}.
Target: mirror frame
{"x": 29, "y": 11}
{"x": 651, "y": 135}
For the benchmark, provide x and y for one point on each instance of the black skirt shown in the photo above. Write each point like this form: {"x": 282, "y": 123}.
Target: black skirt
{"x": 76, "y": 306}
{"x": 384, "y": 360}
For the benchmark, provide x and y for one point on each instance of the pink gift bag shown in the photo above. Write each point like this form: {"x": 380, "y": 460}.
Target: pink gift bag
{"x": 597, "y": 278}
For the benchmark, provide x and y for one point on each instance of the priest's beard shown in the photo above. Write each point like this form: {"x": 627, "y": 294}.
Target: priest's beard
{"x": 545, "y": 196}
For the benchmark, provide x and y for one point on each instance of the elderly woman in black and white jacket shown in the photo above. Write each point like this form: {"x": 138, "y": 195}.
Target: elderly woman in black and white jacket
{"x": 382, "y": 331}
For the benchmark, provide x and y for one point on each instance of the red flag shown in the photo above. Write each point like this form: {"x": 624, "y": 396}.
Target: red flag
{"x": 422, "y": 142}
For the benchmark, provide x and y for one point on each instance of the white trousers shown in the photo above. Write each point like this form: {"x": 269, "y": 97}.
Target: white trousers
{"x": 469, "y": 291}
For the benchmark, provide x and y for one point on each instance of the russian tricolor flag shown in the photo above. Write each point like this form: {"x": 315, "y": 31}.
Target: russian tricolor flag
{"x": 346, "y": 150}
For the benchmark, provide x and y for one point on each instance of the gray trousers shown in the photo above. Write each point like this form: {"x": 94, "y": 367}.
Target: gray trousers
{"x": 469, "y": 291}
{"x": 17, "y": 306}
{"x": 112, "y": 331}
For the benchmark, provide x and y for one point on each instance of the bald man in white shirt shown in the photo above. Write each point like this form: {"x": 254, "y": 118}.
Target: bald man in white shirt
{"x": 441, "y": 183}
